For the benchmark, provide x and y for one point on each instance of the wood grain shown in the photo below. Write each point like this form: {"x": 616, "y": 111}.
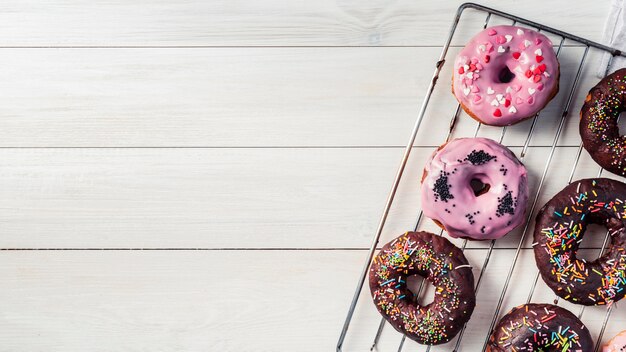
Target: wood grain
{"x": 263, "y": 23}
{"x": 247, "y": 147}
{"x": 222, "y": 198}
{"x": 233, "y": 97}
{"x": 216, "y": 301}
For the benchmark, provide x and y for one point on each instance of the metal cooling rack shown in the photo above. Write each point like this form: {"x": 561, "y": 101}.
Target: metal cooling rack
{"x": 490, "y": 13}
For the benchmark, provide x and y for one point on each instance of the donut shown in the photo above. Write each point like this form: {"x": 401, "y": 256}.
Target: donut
{"x": 617, "y": 344}
{"x": 598, "y": 122}
{"x": 444, "y": 266}
{"x": 559, "y": 229}
{"x": 540, "y": 327}
{"x": 505, "y": 74}
{"x": 474, "y": 188}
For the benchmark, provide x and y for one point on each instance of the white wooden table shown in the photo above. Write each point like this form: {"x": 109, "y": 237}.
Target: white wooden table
{"x": 207, "y": 175}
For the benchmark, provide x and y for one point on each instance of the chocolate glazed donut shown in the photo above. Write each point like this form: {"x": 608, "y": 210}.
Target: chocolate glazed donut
{"x": 560, "y": 228}
{"x": 442, "y": 264}
{"x": 598, "y": 122}
{"x": 540, "y": 327}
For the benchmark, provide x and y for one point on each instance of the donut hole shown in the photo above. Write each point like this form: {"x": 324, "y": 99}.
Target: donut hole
{"x": 427, "y": 294}
{"x": 589, "y": 247}
{"x": 505, "y": 75}
{"x": 479, "y": 187}
{"x": 621, "y": 123}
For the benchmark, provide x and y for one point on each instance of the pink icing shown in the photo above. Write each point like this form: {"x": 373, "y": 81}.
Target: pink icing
{"x": 527, "y": 54}
{"x": 617, "y": 344}
{"x": 448, "y": 197}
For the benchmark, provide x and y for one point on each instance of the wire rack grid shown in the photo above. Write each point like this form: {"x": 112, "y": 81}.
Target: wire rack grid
{"x": 587, "y": 45}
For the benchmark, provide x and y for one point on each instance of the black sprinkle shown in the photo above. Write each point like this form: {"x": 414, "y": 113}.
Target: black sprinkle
{"x": 506, "y": 205}
{"x": 470, "y": 218}
{"x": 479, "y": 157}
{"x": 482, "y": 229}
{"x": 442, "y": 188}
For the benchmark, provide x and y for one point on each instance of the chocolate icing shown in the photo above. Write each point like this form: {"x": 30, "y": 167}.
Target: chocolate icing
{"x": 560, "y": 228}
{"x": 540, "y": 327}
{"x": 444, "y": 266}
{"x": 598, "y": 122}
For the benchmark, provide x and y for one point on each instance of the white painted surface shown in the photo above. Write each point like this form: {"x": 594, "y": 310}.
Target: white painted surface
{"x": 263, "y": 133}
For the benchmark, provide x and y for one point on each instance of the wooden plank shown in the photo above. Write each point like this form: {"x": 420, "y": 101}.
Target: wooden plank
{"x": 244, "y": 97}
{"x": 218, "y": 301}
{"x": 215, "y": 198}
{"x": 254, "y": 23}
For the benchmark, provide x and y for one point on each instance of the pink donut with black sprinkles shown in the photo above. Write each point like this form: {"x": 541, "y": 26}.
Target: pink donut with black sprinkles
{"x": 505, "y": 74}
{"x": 475, "y": 188}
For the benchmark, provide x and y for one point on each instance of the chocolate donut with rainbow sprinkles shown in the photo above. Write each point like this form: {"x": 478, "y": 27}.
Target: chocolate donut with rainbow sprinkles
{"x": 559, "y": 230}
{"x": 540, "y": 327}
{"x": 599, "y": 130}
{"x": 443, "y": 265}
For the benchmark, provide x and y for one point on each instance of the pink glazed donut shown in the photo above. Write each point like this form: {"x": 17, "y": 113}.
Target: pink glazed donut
{"x": 505, "y": 74}
{"x": 475, "y": 188}
{"x": 617, "y": 344}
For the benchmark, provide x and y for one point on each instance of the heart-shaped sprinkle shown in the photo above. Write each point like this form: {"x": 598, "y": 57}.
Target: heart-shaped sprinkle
{"x": 508, "y": 97}
{"x": 542, "y": 67}
{"x": 540, "y": 87}
{"x": 508, "y": 89}
{"x": 489, "y": 47}
{"x": 466, "y": 91}
{"x": 461, "y": 70}
{"x": 507, "y": 102}
{"x": 486, "y": 58}
{"x": 539, "y": 58}
{"x": 477, "y": 99}
{"x": 475, "y": 89}
{"x": 536, "y": 78}
{"x": 520, "y": 32}
{"x": 537, "y": 71}
{"x": 490, "y": 91}
{"x": 531, "y": 90}
{"x": 512, "y": 110}
{"x": 500, "y": 39}
{"x": 501, "y": 49}
{"x": 472, "y": 67}
{"x": 479, "y": 66}
{"x": 470, "y": 75}
{"x": 516, "y": 55}
{"x": 497, "y": 113}
{"x": 538, "y": 52}
{"x": 494, "y": 103}
{"x": 508, "y": 37}
{"x": 527, "y": 43}
{"x": 481, "y": 47}
{"x": 530, "y": 100}
{"x": 518, "y": 100}
{"x": 538, "y": 41}
{"x": 516, "y": 87}
{"x": 546, "y": 74}
{"x": 528, "y": 73}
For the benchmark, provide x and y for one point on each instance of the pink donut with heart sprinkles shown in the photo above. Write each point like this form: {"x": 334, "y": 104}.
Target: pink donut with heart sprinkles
{"x": 505, "y": 74}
